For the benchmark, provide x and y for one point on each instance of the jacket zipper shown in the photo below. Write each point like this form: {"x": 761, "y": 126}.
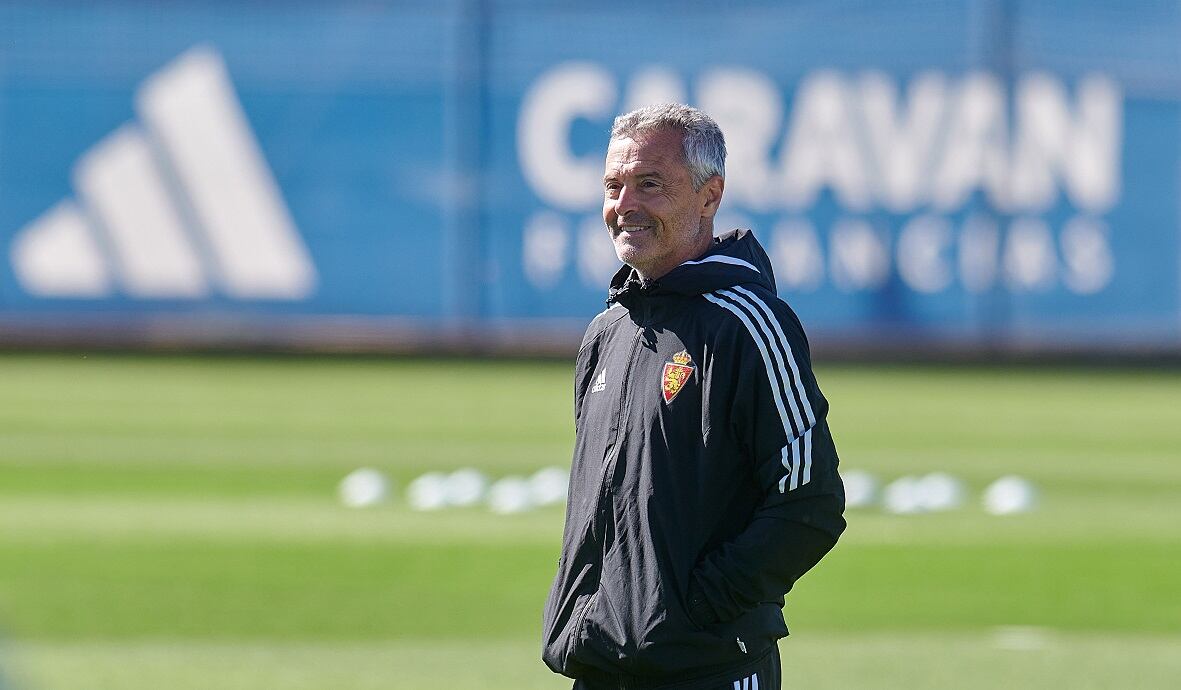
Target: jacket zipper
{"x": 621, "y": 416}
{"x": 604, "y": 479}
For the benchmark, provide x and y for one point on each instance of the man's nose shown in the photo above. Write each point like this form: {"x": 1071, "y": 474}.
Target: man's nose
{"x": 626, "y": 201}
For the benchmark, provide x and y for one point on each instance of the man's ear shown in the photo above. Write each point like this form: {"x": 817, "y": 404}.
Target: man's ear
{"x": 712, "y": 191}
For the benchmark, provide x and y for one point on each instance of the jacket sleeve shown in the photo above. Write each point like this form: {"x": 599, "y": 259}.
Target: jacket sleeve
{"x": 778, "y": 415}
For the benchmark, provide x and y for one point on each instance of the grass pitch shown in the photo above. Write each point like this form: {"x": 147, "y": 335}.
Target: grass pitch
{"x": 172, "y": 522}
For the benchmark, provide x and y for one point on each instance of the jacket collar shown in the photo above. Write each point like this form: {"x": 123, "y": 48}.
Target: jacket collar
{"x": 734, "y": 258}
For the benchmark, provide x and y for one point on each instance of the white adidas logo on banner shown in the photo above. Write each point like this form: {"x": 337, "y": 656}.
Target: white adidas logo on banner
{"x": 173, "y": 207}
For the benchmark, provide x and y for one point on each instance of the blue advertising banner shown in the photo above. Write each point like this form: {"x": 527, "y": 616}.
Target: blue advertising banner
{"x": 974, "y": 174}
{"x": 207, "y": 158}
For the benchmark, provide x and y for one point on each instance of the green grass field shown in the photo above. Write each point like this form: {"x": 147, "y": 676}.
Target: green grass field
{"x": 172, "y": 523}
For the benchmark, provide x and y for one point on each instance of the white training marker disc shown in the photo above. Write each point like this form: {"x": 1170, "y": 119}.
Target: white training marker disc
{"x": 428, "y": 492}
{"x": 940, "y": 491}
{"x": 465, "y": 487}
{"x": 861, "y": 489}
{"x": 901, "y": 496}
{"x": 548, "y": 486}
{"x": 363, "y": 487}
{"x": 510, "y": 495}
{"x": 1010, "y": 495}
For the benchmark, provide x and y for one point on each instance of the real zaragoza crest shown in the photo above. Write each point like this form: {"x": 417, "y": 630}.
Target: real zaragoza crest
{"x": 675, "y": 375}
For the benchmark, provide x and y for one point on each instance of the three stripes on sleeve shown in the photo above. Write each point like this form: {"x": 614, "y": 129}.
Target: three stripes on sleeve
{"x": 783, "y": 372}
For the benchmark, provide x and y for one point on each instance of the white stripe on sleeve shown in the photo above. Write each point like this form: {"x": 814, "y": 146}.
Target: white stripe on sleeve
{"x": 798, "y": 381}
{"x": 787, "y": 385}
{"x": 807, "y": 456}
{"x": 773, "y": 344}
{"x": 795, "y": 464}
{"x": 775, "y": 390}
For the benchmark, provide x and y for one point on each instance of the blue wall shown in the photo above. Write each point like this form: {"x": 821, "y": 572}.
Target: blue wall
{"x": 995, "y": 174}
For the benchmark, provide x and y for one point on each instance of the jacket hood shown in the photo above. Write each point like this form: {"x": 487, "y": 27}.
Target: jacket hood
{"x": 735, "y": 258}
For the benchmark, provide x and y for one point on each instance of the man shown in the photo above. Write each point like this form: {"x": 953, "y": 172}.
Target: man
{"x": 704, "y": 480}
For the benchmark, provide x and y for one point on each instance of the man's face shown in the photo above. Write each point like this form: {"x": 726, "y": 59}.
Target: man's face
{"x": 655, "y": 217}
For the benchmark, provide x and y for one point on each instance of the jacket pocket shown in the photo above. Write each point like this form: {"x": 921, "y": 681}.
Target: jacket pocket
{"x": 579, "y": 624}
{"x": 564, "y": 627}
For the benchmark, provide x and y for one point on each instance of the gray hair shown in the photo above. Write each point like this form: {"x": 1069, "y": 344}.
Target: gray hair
{"x": 702, "y": 142}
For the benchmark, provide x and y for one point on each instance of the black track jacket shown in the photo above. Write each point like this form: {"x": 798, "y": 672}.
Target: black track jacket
{"x": 704, "y": 478}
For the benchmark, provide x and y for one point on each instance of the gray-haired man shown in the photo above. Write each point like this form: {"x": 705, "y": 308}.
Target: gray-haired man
{"x": 704, "y": 479}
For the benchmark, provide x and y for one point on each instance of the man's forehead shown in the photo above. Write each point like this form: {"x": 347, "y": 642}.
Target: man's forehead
{"x": 655, "y": 149}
